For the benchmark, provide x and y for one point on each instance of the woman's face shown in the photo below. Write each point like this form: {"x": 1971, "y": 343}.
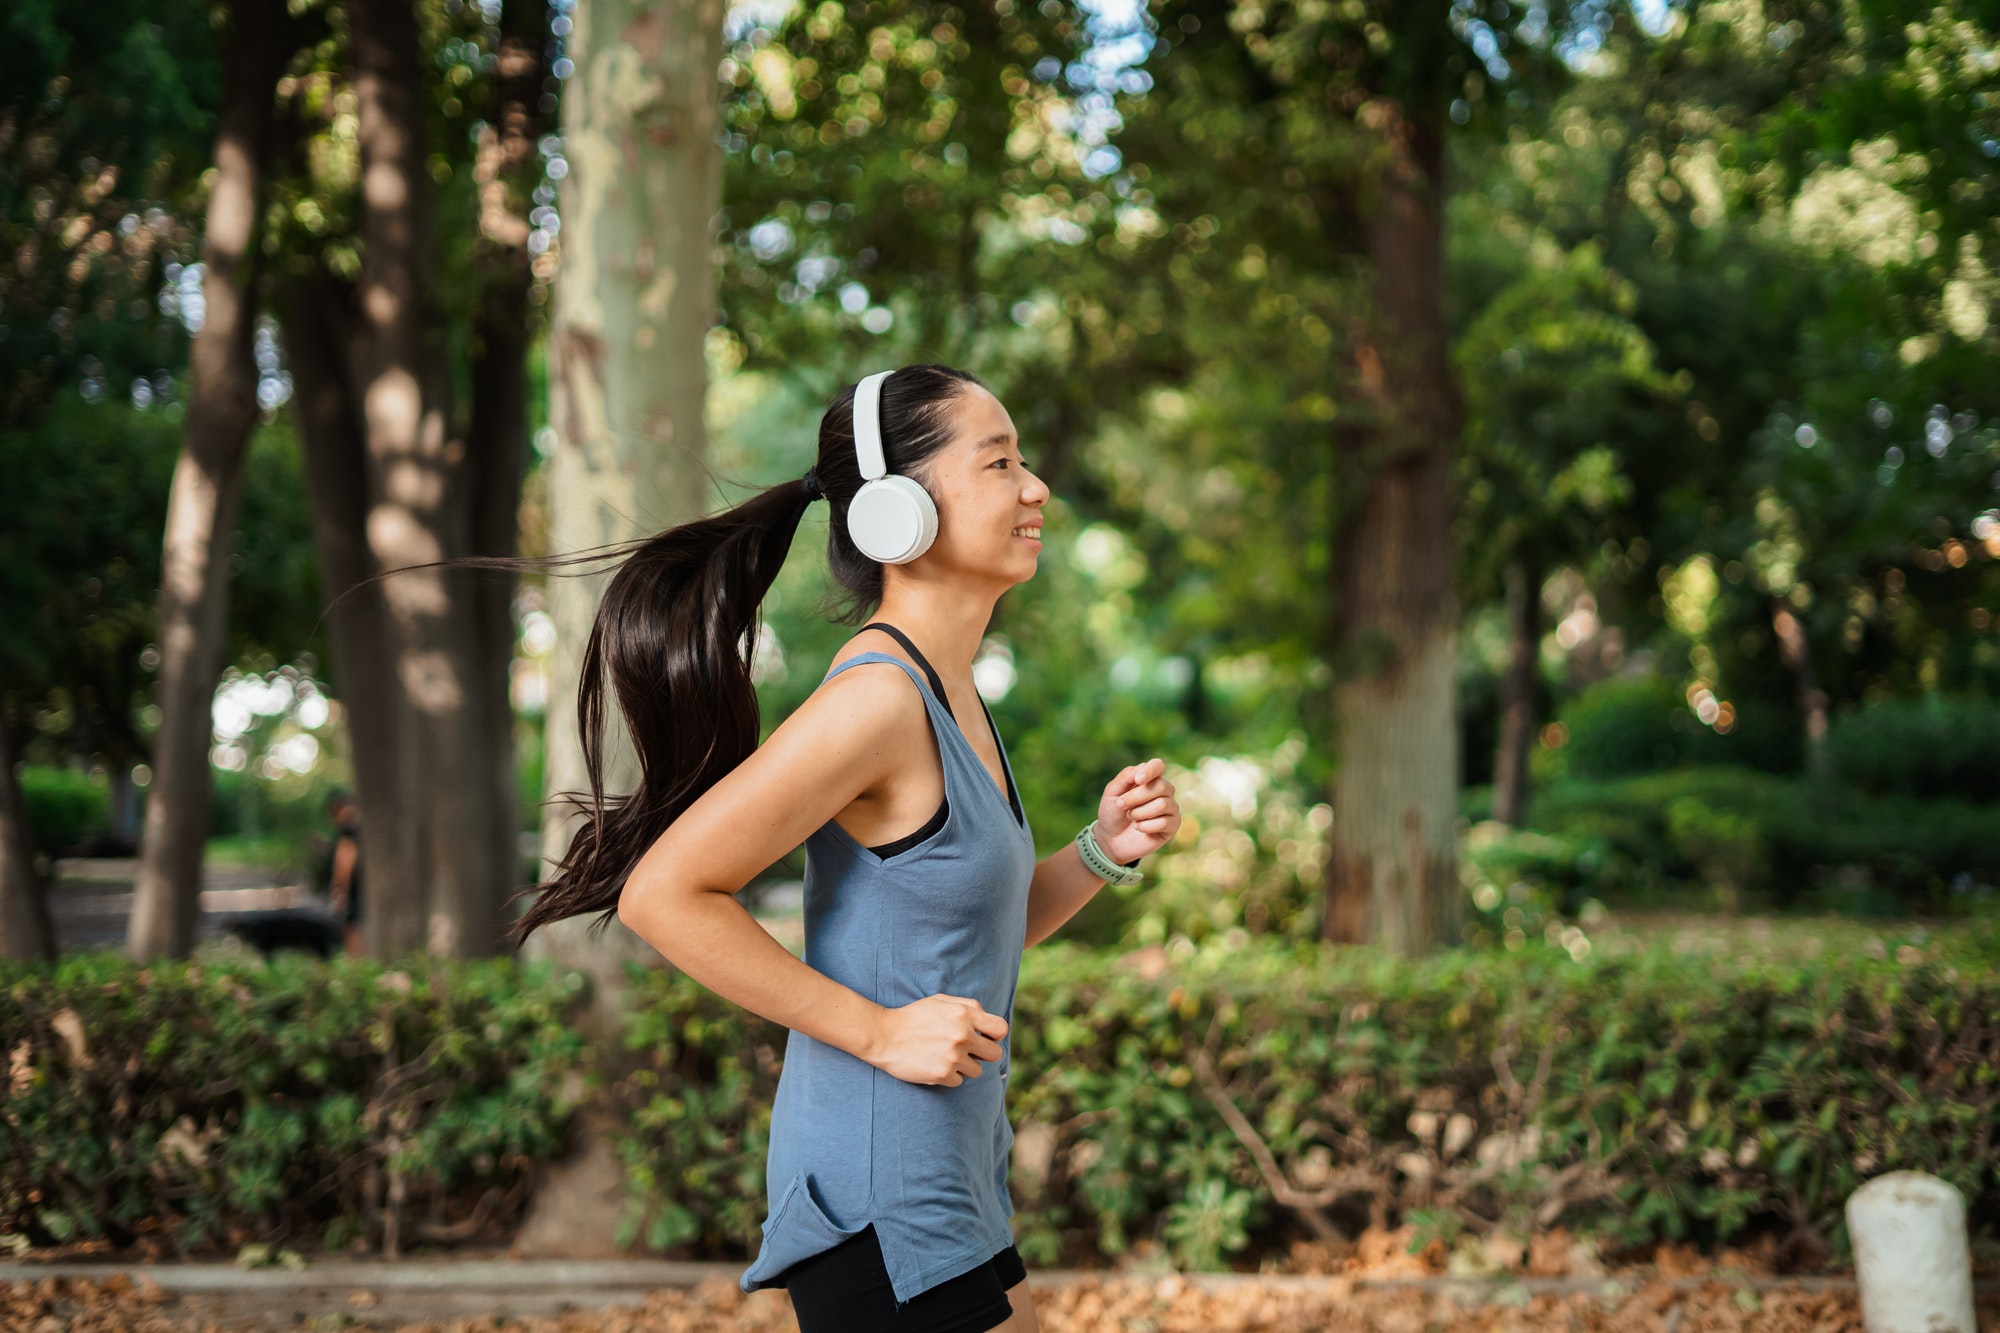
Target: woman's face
{"x": 989, "y": 503}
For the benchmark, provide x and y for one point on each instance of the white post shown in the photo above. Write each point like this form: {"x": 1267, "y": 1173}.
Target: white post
{"x": 1910, "y": 1255}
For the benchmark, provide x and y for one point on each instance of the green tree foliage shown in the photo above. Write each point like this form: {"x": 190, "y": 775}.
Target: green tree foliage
{"x": 80, "y": 563}
{"x": 104, "y": 125}
{"x": 105, "y": 128}
{"x": 1560, "y": 387}
{"x": 1721, "y": 290}
{"x": 1801, "y": 202}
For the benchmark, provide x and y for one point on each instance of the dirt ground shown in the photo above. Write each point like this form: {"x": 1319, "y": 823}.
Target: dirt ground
{"x": 1141, "y": 1305}
{"x": 1376, "y": 1285}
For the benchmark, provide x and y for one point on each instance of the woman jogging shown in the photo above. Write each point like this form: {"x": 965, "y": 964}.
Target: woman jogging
{"x": 887, "y": 1199}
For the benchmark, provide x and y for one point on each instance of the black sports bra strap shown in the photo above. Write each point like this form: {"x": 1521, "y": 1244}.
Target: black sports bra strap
{"x": 1013, "y": 795}
{"x": 937, "y": 686}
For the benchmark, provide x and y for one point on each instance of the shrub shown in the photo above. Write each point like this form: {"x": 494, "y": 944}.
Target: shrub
{"x": 1646, "y": 851}
{"x": 696, "y": 1107}
{"x": 1520, "y": 880}
{"x": 1641, "y": 1095}
{"x": 1626, "y": 725}
{"x": 1629, "y": 725}
{"x": 1936, "y": 747}
{"x": 1741, "y": 831}
{"x": 1249, "y": 855}
{"x": 1633, "y": 1096}
{"x": 1725, "y": 845}
{"x": 219, "y": 1101}
{"x": 63, "y": 806}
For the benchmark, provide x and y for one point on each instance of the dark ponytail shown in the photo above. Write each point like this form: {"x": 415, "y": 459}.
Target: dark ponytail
{"x": 670, "y": 634}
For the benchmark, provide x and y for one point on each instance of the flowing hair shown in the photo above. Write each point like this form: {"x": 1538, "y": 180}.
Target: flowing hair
{"x": 674, "y": 630}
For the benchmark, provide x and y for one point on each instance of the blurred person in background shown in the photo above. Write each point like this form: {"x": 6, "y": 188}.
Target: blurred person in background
{"x": 343, "y": 883}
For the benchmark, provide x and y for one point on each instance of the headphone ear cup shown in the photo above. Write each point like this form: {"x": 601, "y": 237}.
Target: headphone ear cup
{"x": 892, "y": 520}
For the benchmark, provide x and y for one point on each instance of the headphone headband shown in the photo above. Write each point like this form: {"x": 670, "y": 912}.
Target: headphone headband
{"x": 891, "y": 519}
{"x": 868, "y": 425}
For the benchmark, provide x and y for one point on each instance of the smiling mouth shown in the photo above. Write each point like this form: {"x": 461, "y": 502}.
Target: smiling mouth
{"x": 1034, "y": 532}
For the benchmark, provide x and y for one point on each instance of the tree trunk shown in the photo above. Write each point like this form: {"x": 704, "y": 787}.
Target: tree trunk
{"x": 1391, "y": 878}
{"x": 507, "y": 167}
{"x": 1796, "y": 649}
{"x": 1519, "y": 692}
{"x": 319, "y": 327}
{"x": 496, "y": 442}
{"x": 201, "y": 506}
{"x": 627, "y": 374}
{"x": 26, "y": 933}
{"x": 419, "y": 510}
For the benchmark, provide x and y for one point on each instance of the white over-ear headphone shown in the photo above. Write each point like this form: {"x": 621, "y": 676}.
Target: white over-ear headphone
{"x": 891, "y": 519}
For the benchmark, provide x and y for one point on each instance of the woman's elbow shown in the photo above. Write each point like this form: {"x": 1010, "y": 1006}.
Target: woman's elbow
{"x": 648, "y": 907}
{"x": 637, "y": 903}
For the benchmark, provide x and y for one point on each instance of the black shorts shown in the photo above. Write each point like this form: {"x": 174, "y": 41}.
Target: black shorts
{"x": 846, "y": 1290}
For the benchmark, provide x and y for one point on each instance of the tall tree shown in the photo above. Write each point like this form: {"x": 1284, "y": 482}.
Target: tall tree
{"x": 1328, "y": 204}
{"x": 322, "y": 331}
{"x": 408, "y": 342}
{"x": 507, "y": 168}
{"x": 26, "y": 931}
{"x": 420, "y": 513}
{"x": 1316, "y": 236}
{"x": 1391, "y": 873}
{"x": 201, "y": 510}
{"x": 627, "y": 371}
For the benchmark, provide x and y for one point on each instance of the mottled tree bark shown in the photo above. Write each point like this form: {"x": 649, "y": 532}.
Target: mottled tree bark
{"x": 320, "y": 320}
{"x": 26, "y": 933}
{"x": 1519, "y": 692}
{"x": 627, "y": 373}
{"x": 201, "y": 505}
{"x": 1391, "y": 878}
{"x": 419, "y": 513}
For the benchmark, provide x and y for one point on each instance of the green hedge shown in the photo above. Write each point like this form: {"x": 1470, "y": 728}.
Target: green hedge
{"x": 1931, "y": 747}
{"x": 63, "y": 806}
{"x": 1790, "y": 839}
{"x": 1635, "y": 1097}
{"x": 1937, "y": 746}
{"x": 297, "y": 1103}
{"x": 1642, "y": 724}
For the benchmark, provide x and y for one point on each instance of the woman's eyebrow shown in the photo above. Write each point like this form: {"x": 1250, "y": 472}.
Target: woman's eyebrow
{"x": 1003, "y": 439}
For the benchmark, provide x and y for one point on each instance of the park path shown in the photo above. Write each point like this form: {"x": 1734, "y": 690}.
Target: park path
{"x": 91, "y": 899}
{"x": 545, "y": 1297}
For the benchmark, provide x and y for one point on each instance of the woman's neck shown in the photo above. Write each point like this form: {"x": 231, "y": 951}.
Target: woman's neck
{"x": 945, "y": 623}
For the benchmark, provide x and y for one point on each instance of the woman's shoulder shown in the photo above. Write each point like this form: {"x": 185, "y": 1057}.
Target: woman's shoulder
{"x": 871, "y": 692}
{"x": 863, "y": 722}
{"x": 871, "y": 642}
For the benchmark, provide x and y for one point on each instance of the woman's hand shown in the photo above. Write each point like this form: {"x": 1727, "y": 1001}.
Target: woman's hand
{"x": 939, "y": 1039}
{"x": 1138, "y": 814}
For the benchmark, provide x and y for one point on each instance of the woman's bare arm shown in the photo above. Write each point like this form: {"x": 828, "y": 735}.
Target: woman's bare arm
{"x": 1061, "y": 886}
{"x": 1136, "y": 815}
{"x": 850, "y": 736}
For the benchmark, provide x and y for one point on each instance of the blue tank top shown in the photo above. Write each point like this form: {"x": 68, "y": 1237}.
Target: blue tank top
{"x": 850, "y": 1144}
